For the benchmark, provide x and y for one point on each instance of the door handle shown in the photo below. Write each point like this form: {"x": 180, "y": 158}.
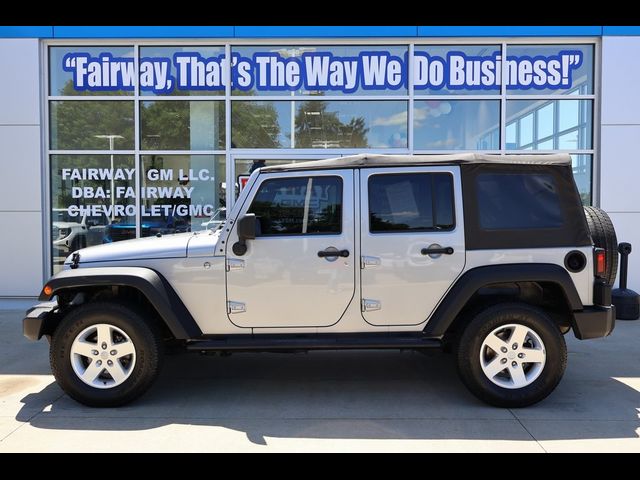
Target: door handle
{"x": 333, "y": 253}
{"x": 437, "y": 251}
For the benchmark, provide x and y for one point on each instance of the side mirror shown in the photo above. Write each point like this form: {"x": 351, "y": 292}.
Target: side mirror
{"x": 246, "y": 231}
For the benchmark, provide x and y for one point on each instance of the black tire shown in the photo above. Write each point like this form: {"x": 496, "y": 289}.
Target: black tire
{"x": 146, "y": 339}
{"x": 604, "y": 236}
{"x": 481, "y": 325}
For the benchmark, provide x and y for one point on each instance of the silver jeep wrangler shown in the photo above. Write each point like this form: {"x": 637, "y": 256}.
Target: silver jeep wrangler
{"x": 491, "y": 257}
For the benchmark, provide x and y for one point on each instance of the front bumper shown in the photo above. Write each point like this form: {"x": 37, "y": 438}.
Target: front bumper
{"x": 594, "y": 322}
{"x": 38, "y": 319}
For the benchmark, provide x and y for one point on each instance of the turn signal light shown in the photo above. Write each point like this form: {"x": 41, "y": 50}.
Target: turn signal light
{"x": 47, "y": 290}
{"x": 601, "y": 262}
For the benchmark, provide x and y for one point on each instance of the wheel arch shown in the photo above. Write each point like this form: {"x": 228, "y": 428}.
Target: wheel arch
{"x": 466, "y": 291}
{"x": 149, "y": 283}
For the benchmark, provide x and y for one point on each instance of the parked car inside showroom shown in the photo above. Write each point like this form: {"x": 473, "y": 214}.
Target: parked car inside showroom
{"x": 72, "y": 233}
{"x": 125, "y": 227}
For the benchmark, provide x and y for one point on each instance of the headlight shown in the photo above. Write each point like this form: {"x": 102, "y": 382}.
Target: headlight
{"x": 65, "y": 232}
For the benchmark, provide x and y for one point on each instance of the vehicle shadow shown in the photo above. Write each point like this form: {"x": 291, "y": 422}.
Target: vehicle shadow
{"x": 355, "y": 395}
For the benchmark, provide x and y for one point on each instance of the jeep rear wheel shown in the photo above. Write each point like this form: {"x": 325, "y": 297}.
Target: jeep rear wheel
{"x": 105, "y": 354}
{"x": 511, "y": 355}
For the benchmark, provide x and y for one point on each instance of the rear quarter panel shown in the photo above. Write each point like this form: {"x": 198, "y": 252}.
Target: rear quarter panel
{"x": 582, "y": 280}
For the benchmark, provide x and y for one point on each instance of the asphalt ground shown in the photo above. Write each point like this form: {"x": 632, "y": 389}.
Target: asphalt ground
{"x": 323, "y": 401}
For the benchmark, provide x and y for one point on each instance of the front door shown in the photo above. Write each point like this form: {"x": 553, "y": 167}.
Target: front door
{"x": 289, "y": 276}
{"x": 412, "y": 241}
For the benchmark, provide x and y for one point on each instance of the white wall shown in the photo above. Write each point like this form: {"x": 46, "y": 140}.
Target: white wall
{"x": 21, "y": 249}
{"x": 620, "y": 143}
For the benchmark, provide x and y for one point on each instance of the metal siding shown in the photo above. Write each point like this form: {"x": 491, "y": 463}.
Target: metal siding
{"x": 26, "y": 32}
{"x": 325, "y": 31}
{"x": 313, "y": 31}
{"x": 508, "y": 31}
{"x": 147, "y": 31}
{"x": 621, "y": 30}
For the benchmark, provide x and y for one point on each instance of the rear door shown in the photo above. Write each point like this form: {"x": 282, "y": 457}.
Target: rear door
{"x": 412, "y": 241}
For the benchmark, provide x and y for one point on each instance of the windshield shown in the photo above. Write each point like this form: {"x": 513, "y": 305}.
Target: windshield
{"x": 63, "y": 216}
{"x": 220, "y": 214}
{"x": 217, "y": 219}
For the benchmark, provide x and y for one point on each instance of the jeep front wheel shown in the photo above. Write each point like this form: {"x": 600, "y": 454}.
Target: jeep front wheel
{"x": 511, "y": 355}
{"x": 105, "y": 354}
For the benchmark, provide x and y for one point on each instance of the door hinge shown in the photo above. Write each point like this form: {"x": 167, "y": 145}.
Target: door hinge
{"x": 369, "y": 262}
{"x": 369, "y": 305}
{"x": 236, "y": 307}
{"x": 234, "y": 264}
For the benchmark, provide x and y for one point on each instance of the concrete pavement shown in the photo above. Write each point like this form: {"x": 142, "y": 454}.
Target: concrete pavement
{"x": 323, "y": 401}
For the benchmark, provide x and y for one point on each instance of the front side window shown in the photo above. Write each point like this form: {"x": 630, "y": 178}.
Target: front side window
{"x": 299, "y": 206}
{"x": 416, "y": 202}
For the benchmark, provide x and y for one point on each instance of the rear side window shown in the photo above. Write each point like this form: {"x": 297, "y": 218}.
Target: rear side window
{"x": 513, "y": 201}
{"x": 412, "y": 202}
{"x": 299, "y": 206}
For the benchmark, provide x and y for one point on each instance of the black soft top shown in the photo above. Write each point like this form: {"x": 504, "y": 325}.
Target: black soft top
{"x": 375, "y": 160}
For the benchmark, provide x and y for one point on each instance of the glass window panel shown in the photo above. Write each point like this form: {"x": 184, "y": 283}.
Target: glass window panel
{"x": 202, "y": 68}
{"x": 341, "y": 80}
{"x": 429, "y": 80}
{"x": 526, "y": 129}
{"x": 546, "y": 145}
{"x": 283, "y": 207}
{"x": 61, "y": 80}
{"x": 456, "y": 124}
{"x": 570, "y": 114}
{"x": 180, "y": 193}
{"x": 410, "y": 202}
{"x": 511, "y": 133}
{"x": 582, "y": 167}
{"x": 91, "y": 125}
{"x": 89, "y": 193}
{"x": 351, "y": 124}
{"x": 568, "y": 141}
{"x": 260, "y": 124}
{"x": 182, "y": 125}
{"x": 545, "y": 121}
{"x": 571, "y": 79}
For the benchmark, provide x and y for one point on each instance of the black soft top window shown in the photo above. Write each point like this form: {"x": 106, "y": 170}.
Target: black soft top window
{"x": 518, "y": 201}
{"x": 522, "y": 206}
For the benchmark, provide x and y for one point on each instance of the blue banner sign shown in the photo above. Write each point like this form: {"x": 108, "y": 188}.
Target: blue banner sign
{"x": 323, "y": 71}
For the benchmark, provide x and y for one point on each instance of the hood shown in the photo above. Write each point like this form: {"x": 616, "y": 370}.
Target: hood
{"x": 166, "y": 246}
{"x": 66, "y": 224}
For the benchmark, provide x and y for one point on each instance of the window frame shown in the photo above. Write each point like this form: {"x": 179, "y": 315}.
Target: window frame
{"x": 433, "y": 203}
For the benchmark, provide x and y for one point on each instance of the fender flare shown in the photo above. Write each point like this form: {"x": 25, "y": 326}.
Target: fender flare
{"x": 147, "y": 281}
{"x": 472, "y": 280}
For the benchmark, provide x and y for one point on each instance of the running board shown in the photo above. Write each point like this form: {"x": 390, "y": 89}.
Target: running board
{"x": 317, "y": 342}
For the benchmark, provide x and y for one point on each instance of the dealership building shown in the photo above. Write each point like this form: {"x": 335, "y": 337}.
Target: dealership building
{"x": 112, "y": 133}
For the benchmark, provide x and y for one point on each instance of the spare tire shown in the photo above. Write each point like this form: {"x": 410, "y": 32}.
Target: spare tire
{"x": 604, "y": 236}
